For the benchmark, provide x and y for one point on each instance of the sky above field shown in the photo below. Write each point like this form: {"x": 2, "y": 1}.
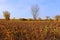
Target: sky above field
{"x": 22, "y": 8}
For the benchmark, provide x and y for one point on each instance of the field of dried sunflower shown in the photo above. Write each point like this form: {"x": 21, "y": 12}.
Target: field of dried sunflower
{"x": 29, "y": 30}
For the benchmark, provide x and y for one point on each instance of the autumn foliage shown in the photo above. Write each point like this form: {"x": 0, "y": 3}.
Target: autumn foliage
{"x": 6, "y": 15}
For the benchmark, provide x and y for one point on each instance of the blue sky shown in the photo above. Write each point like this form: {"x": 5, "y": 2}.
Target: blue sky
{"x": 22, "y": 8}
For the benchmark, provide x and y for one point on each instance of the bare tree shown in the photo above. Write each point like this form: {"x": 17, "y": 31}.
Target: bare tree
{"x": 35, "y": 10}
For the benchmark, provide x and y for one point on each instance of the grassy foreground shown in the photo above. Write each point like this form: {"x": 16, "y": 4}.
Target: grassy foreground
{"x": 29, "y": 30}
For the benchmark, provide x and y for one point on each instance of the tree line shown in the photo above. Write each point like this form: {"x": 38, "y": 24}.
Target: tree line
{"x": 35, "y": 14}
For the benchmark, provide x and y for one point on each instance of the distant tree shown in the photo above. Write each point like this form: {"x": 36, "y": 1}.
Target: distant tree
{"x": 47, "y": 17}
{"x": 30, "y": 19}
{"x": 40, "y": 19}
{"x": 57, "y": 17}
{"x": 6, "y": 15}
{"x": 23, "y": 19}
{"x": 35, "y": 10}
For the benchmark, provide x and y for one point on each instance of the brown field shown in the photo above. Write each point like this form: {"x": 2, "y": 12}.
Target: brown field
{"x": 29, "y": 30}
